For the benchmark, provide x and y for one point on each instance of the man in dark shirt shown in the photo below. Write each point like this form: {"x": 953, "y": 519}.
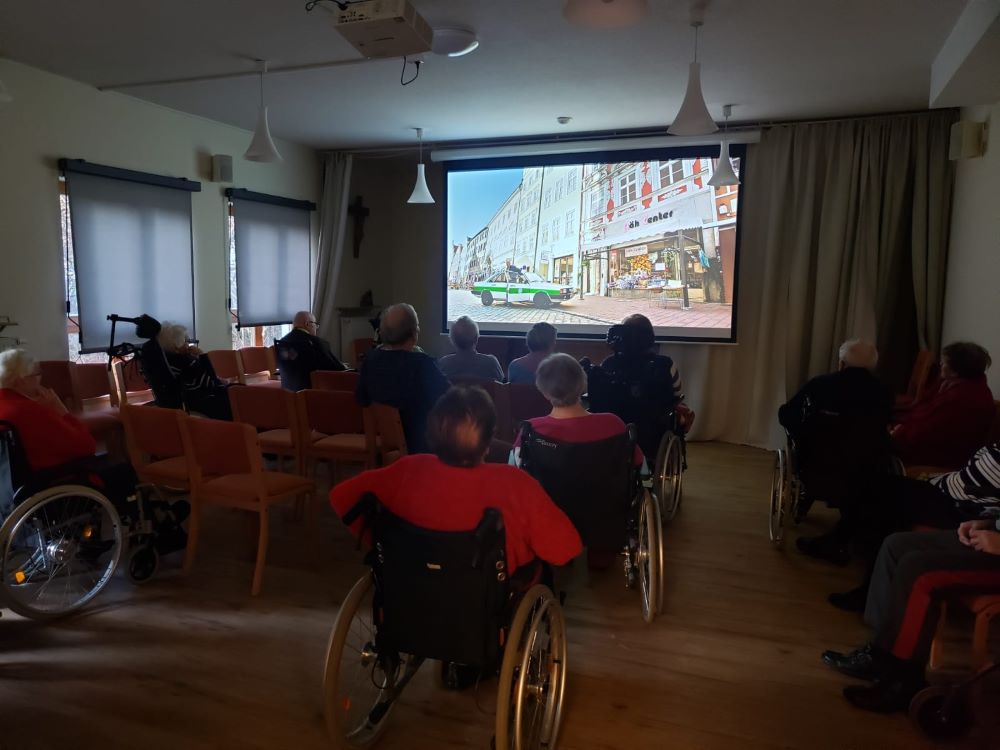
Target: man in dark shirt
{"x": 840, "y": 425}
{"x": 396, "y": 375}
{"x": 302, "y": 352}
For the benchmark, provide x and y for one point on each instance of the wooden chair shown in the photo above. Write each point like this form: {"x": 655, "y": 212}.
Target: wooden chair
{"x": 526, "y": 402}
{"x": 272, "y": 412}
{"x": 227, "y": 365}
{"x": 227, "y": 470}
{"x": 332, "y": 428}
{"x": 920, "y": 378}
{"x": 984, "y": 608}
{"x": 130, "y": 386}
{"x": 259, "y": 366}
{"x": 360, "y": 347}
{"x": 57, "y": 375}
{"x": 384, "y": 429}
{"x": 85, "y": 390}
{"x": 155, "y": 446}
{"x": 332, "y": 380}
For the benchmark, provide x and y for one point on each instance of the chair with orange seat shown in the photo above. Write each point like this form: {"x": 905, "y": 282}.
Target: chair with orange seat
{"x": 155, "y": 446}
{"x": 227, "y": 365}
{"x": 227, "y": 470}
{"x": 526, "y": 402}
{"x": 130, "y": 385}
{"x": 385, "y": 429}
{"x": 332, "y": 428}
{"x": 359, "y": 348}
{"x": 921, "y": 378}
{"x": 984, "y": 607}
{"x": 259, "y": 366}
{"x": 333, "y": 380}
{"x": 272, "y": 412}
{"x": 85, "y": 389}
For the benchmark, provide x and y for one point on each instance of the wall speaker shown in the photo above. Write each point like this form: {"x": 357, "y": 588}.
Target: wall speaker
{"x": 222, "y": 168}
{"x": 968, "y": 140}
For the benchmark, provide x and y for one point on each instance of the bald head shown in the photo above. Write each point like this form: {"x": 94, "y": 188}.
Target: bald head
{"x": 399, "y": 326}
{"x": 858, "y": 353}
{"x": 305, "y": 320}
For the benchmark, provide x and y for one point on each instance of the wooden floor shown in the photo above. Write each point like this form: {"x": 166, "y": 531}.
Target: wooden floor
{"x": 197, "y": 663}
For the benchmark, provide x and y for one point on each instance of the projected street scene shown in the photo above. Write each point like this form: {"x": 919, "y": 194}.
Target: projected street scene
{"x": 587, "y": 244}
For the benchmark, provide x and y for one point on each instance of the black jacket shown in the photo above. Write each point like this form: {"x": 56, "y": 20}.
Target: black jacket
{"x": 299, "y": 355}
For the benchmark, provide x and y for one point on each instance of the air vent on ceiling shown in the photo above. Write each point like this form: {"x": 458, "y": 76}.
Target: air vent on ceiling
{"x": 385, "y": 28}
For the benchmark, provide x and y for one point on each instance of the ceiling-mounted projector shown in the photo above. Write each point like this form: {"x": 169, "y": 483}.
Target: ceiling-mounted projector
{"x": 385, "y": 28}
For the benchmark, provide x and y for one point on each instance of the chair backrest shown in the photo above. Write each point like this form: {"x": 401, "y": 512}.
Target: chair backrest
{"x": 526, "y": 402}
{"x": 593, "y": 483}
{"x": 91, "y": 380}
{"x": 227, "y": 365}
{"x": 921, "y": 375}
{"x": 57, "y": 374}
{"x": 152, "y": 433}
{"x": 258, "y": 361}
{"x": 383, "y": 421}
{"x": 130, "y": 384}
{"x": 332, "y": 380}
{"x": 329, "y": 412}
{"x": 639, "y": 396}
{"x": 264, "y": 408}
{"x": 462, "y": 573}
{"x": 359, "y": 348}
{"x": 214, "y": 447}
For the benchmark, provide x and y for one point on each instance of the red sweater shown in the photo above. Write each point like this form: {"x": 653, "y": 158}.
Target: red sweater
{"x": 947, "y": 427}
{"x": 589, "y": 429}
{"x": 427, "y": 492}
{"x": 48, "y": 439}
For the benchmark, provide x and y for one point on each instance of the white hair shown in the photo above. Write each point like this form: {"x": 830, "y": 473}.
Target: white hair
{"x": 172, "y": 337}
{"x": 14, "y": 365}
{"x": 859, "y": 353}
{"x": 464, "y": 333}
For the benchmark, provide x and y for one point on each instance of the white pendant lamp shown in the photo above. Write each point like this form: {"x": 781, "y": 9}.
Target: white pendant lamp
{"x": 262, "y": 147}
{"x": 693, "y": 117}
{"x": 420, "y": 192}
{"x": 724, "y": 174}
{"x": 605, "y": 14}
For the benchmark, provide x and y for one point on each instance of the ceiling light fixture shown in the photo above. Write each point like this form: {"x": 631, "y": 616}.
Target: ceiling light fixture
{"x": 454, "y": 42}
{"x": 724, "y": 174}
{"x": 420, "y": 192}
{"x": 261, "y": 146}
{"x": 693, "y": 117}
{"x": 605, "y": 14}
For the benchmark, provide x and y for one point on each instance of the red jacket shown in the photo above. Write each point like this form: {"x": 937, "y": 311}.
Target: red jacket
{"x": 47, "y": 438}
{"x": 427, "y": 492}
{"x": 947, "y": 427}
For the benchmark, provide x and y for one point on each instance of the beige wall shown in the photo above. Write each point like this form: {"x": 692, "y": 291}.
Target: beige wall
{"x": 53, "y": 117}
{"x": 973, "y": 290}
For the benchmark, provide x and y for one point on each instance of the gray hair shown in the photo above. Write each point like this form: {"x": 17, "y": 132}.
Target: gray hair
{"x": 399, "y": 324}
{"x": 172, "y": 337}
{"x": 859, "y": 353}
{"x": 14, "y": 365}
{"x": 561, "y": 379}
{"x": 464, "y": 333}
{"x": 541, "y": 337}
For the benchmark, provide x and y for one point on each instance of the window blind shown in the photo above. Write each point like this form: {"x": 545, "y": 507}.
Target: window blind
{"x": 132, "y": 249}
{"x": 273, "y": 257}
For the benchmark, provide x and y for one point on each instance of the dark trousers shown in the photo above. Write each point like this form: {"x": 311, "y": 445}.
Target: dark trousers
{"x": 913, "y": 572}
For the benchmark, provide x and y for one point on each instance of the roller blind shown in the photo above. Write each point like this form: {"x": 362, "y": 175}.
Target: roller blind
{"x": 132, "y": 249}
{"x": 273, "y": 257}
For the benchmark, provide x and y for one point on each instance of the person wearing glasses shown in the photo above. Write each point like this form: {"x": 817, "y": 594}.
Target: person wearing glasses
{"x": 302, "y": 352}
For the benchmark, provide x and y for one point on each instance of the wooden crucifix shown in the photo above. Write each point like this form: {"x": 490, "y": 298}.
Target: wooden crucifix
{"x": 359, "y": 212}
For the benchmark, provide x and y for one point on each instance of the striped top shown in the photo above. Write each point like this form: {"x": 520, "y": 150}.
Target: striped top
{"x": 981, "y": 475}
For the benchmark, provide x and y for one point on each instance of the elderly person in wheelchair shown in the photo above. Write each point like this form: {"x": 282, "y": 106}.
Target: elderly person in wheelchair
{"x": 58, "y": 520}
{"x": 192, "y": 373}
{"x": 455, "y": 551}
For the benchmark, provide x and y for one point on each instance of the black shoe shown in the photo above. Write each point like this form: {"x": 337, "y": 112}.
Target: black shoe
{"x": 885, "y": 696}
{"x": 824, "y": 548}
{"x": 458, "y": 676}
{"x": 850, "y": 601}
{"x": 861, "y": 663}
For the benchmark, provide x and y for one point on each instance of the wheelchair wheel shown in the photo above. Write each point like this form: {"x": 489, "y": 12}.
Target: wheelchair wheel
{"x": 60, "y": 548}
{"x": 669, "y": 476}
{"x": 942, "y": 713}
{"x": 649, "y": 557}
{"x": 353, "y": 679}
{"x": 143, "y": 560}
{"x": 532, "y": 675}
{"x": 779, "y": 491}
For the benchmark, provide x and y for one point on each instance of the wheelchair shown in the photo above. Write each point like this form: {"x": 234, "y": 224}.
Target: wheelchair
{"x": 609, "y": 506}
{"x": 446, "y": 596}
{"x": 644, "y": 403}
{"x": 60, "y": 542}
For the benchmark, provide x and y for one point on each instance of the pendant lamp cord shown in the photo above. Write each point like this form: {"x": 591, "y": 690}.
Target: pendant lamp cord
{"x": 697, "y": 25}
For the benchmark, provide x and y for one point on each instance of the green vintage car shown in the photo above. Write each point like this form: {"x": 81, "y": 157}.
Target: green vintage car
{"x": 513, "y": 285}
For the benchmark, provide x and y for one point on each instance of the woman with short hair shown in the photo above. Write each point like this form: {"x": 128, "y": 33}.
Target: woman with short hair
{"x": 202, "y": 391}
{"x": 541, "y": 342}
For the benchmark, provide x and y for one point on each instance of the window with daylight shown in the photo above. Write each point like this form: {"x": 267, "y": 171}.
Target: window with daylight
{"x": 671, "y": 172}
{"x": 271, "y": 256}
{"x": 555, "y": 230}
{"x": 545, "y": 236}
{"x": 559, "y": 190}
{"x": 127, "y": 250}
{"x": 571, "y": 181}
{"x": 596, "y": 203}
{"x": 627, "y": 188}
{"x": 571, "y": 222}
{"x": 548, "y": 197}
